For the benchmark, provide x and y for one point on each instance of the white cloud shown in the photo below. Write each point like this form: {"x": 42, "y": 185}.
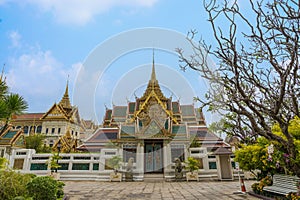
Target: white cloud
{"x": 40, "y": 78}
{"x": 15, "y": 38}
{"x": 81, "y": 12}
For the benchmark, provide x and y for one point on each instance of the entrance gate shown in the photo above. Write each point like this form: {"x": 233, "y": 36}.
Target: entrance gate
{"x": 153, "y": 157}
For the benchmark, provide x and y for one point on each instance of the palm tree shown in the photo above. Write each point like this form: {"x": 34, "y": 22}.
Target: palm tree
{"x": 10, "y": 104}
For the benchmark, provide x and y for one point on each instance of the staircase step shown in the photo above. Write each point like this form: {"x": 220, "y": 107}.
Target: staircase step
{"x": 154, "y": 178}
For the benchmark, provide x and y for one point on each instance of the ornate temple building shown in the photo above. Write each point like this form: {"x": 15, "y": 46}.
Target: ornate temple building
{"x": 11, "y": 138}
{"x": 154, "y": 131}
{"x": 62, "y": 119}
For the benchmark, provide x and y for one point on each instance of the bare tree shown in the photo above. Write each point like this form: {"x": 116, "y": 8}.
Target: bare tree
{"x": 257, "y": 73}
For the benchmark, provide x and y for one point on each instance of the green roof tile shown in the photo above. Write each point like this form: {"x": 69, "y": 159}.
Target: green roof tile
{"x": 9, "y": 134}
{"x": 178, "y": 129}
{"x": 128, "y": 129}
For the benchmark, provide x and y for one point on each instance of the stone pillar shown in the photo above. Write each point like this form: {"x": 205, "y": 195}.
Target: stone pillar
{"x": 167, "y": 159}
{"x": 140, "y": 158}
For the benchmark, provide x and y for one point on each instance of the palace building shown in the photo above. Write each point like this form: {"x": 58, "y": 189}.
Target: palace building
{"x": 62, "y": 119}
{"x": 148, "y": 134}
{"x": 154, "y": 131}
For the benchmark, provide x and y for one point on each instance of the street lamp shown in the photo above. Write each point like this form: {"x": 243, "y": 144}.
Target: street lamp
{"x": 58, "y": 151}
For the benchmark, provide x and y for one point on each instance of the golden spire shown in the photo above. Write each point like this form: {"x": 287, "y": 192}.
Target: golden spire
{"x": 153, "y": 74}
{"x": 153, "y": 85}
{"x": 65, "y": 101}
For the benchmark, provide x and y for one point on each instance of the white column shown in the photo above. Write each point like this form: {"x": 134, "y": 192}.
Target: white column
{"x": 140, "y": 158}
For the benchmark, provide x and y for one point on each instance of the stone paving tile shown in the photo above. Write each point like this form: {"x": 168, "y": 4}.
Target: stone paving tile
{"x": 89, "y": 190}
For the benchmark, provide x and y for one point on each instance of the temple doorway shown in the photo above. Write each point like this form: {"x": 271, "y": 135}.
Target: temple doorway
{"x": 153, "y": 157}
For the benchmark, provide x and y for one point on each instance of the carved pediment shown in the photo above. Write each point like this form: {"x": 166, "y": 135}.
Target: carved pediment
{"x": 55, "y": 112}
{"x": 153, "y": 130}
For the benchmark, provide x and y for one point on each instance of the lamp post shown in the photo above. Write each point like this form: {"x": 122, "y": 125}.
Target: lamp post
{"x": 58, "y": 151}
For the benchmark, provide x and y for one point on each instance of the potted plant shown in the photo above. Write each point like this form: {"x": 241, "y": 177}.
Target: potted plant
{"x": 115, "y": 164}
{"x": 53, "y": 163}
{"x": 192, "y": 165}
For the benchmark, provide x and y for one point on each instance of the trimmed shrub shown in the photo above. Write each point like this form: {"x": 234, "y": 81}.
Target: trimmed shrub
{"x": 45, "y": 188}
{"x": 13, "y": 184}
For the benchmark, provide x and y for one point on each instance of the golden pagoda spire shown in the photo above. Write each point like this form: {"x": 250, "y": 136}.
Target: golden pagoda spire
{"x": 65, "y": 101}
{"x": 153, "y": 85}
{"x": 153, "y": 74}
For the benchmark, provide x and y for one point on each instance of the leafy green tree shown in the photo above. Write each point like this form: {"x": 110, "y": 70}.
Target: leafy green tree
{"x": 13, "y": 184}
{"x": 36, "y": 142}
{"x": 255, "y": 156}
{"x": 257, "y": 74}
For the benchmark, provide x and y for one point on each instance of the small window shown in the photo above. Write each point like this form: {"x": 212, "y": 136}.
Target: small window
{"x": 212, "y": 165}
{"x": 53, "y": 130}
{"x": 47, "y": 130}
{"x": 39, "y": 129}
{"x": 25, "y": 129}
{"x": 233, "y": 165}
{"x": 58, "y": 130}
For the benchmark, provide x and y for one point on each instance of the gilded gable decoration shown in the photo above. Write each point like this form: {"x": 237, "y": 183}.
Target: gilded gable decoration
{"x": 12, "y": 137}
{"x": 67, "y": 142}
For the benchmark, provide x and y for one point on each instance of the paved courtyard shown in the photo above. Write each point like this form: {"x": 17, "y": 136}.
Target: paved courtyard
{"x": 89, "y": 190}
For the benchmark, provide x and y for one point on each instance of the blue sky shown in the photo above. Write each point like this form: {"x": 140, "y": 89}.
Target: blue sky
{"x": 45, "y": 41}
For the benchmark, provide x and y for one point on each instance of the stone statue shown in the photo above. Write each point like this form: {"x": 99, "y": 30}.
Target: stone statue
{"x": 129, "y": 170}
{"x": 178, "y": 169}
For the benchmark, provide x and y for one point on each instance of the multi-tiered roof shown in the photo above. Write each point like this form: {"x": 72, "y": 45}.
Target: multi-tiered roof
{"x": 152, "y": 116}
